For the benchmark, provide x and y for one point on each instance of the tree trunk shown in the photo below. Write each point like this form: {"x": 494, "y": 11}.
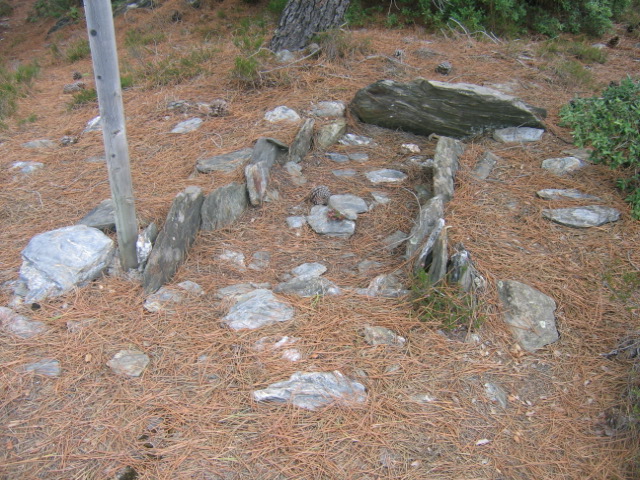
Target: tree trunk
{"x": 302, "y": 19}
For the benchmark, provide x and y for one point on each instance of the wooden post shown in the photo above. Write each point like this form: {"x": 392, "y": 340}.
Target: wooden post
{"x": 107, "y": 76}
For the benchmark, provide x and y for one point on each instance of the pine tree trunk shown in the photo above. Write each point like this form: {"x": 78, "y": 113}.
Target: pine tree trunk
{"x": 302, "y": 19}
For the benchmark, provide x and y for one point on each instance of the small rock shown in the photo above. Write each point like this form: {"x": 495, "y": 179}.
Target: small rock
{"x": 296, "y": 222}
{"x": 496, "y": 394}
{"x": 187, "y": 126}
{"x": 380, "y": 198}
{"x": 386, "y": 176}
{"x": 313, "y": 390}
{"x": 236, "y": 258}
{"x": 284, "y": 56}
{"x": 356, "y": 140}
{"x": 484, "y": 166}
{"x": 129, "y": 362}
{"x": 386, "y": 286}
{"x": 320, "y": 222}
{"x": 328, "y": 109}
{"x": 27, "y": 167}
{"x": 394, "y": 240}
{"x": 93, "y": 125}
{"x": 359, "y": 157}
{"x": 329, "y": 134}
{"x": 309, "y": 270}
{"x": 226, "y": 163}
{"x": 75, "y": 326}
{"x": 282, "y": 114}
{"x": 102, "y": 217}
{"x": 260, "y": 261}
{"x": 308, "y": 286}
{"x": 41, "y": 143}
{"x": 561, "y": 166}
{"x": 337, "y": 157}
{"x": 74, "y": 87}
{"x": 68, "y": 140}
{"x": 256, "y": 309}
{"x": 518, "y": 134}
{"x": 582, "y": 217}
{"x": 344, "y": 173}
{"x": 558, "y": 194}
{"x": 49, "y": 367}
{"x": 444, "y": 68}
{"x": 382, "y": 336}
{"x": 410, "y": 148}
{"x": 348, "y": 205}
{"x": 20, "y": 325}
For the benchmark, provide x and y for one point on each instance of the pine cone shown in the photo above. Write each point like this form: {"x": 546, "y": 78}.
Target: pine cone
{"x": 444, "y": 68}
{"x": 320, "y": 195}
{"x": 613, "y": 42}
{"x": 77, "y": 76}
{"x": 219, "y": 108}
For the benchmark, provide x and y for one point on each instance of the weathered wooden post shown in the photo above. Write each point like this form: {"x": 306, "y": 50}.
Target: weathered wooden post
{"x": 107, "y": 76}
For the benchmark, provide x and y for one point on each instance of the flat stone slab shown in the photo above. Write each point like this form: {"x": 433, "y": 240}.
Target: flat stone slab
{"x": 282, "y": 114}
{"x": 224, "y": 206}
{"x": 328, "y": 109}
{"x": 49, "y": 367}
{"x": 313, "y": 390}
{"x": 559, "y": 194}
{"x": 386, "y": 175}
{"x": 129, "y": 362}
{"x": 386, "y": 286}
{"x": 518, "y": 134}
{"x": 563, "y": 165}
{"x": 484, "y": 166}
{"x": 382, "y": 336}
{"x": 529, "y": 314}
{"x": 40, "y": 143}
{"x": 296, "y": 221}
{"x": 27, "y": 167}
{"x": 329, "y": 134}
{"x": 188, "y": 125}
{"x": 256, "y": 309}
{"x": 225, "y": 163}
{"x": 348, "y": 205}
{"x": 344, "y": 173}
{"x": 93, "y": 125}
{"x": 166, "y": 296}
{"x": 313, "y": 269}
{"x": 19, "y": 325}
{"x": 453, "y": 110}
{"x": 337, "y": 157}
{"x": 308, "y": 286}
{"x": 320, "y": 222}
{"x": 582, "y": 217}
{"x": 57, "y": 261}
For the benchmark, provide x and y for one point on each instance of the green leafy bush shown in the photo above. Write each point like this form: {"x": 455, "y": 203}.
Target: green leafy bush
{"x": 78, "y": 50}
{"x": 13, "y": 84}
{"x": 610, "y": 124}
{"x": 55, "y": 8}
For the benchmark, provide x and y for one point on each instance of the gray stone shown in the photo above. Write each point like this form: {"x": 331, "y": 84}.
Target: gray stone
{"x": 74, "y": 87}
{"x": 27, "y": 167}
{"x": 41, "y": 143}
{"x": 57, "y": 261}
{"x": 314, "y": 390}
{"x": 280, "y": 344}
{"x": 427, "y": 220}
{"x": 226, "y": 163}
{"x": 518, "y": 134}
{"x": 429, "y": 256}
{"x": 236, "y": 258}
{"x": 296, "y": 221}
{"x": 394, "y": 240}
{"x": 559, "y": 194}
{"x": 386, "y": 175}
{"x": 529, "y": 314}
{"x": 187, "y": 126}
{"x": 177, "y": 235}
{"x": 75, "y": 326}
{"x": 454, "y": 110}
{"x": 439, "y": 258}
{"x": 302, "y": 143}
{"x": 256, "y": 309}
{"x": 257, "y": 178}
{"x": 309, "y": 270}
{"x": 19, "y": 325}
{"x": 462, "y": 272}
{"x": 380, "y": 198}
{"x": 582, "y": 217}
{"x": 337, "y": 157}
{"x": 129, "y": 362}
{"x": 382, "y": 336}
{"x": 320, "y": 222}
{"x": 284, "y": 56}
{"x": 102, "y": 217}
{"x": 344, "y": 173}
{"x": 282, "y": 114}
{"x": 348, "y": 205}
{"x": 260, "y": 261}
{"x": 224, "y": 206}
{"x": 365, "y": 266}
{"x": 562, "y": 166}
{"x": 308, "y": 286}
{"x": 448, "y": 151}
{"x": 352, "y": 140}
{"x": 166, "y": 296}
{"x": 93, "y": 125}
{"x": 328, "y": 109}
{"x": 484, "y": 166}
{"x": 235, "y": 291}
{"x": 359, "y": 157}
{"x": 144, "y": 244}
{"x": 329, "y": 134}
{"x": 295, "y": 171}
{"x": 49, "y": 367}
{"x": 496, "y": 394}
{"x": 387, "y": 286}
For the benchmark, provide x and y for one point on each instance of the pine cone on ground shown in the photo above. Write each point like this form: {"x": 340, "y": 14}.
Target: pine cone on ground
{"x": 219, "y": 108}
{"x": 320, "y": 195}
{"x": 77, "y": 76}
{"x": 613, "y": 42}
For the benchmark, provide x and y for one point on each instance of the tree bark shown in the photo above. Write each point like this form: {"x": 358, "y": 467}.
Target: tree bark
{"x": 302, "y": 19}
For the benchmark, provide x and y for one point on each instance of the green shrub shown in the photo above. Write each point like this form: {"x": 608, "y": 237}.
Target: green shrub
{"x": 276, "y": 6}
{"x": 13, "y": 85}
{"x": 83, "y": 97}
{"x": 137, "y": 37}
{"x": 5, "y": 9}
{"x": 55, "y": 8}
{"x": 78, "y": 50}
{"x": 610, "y": 124}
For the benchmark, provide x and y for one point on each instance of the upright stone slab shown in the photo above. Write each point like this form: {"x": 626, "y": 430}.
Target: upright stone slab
{"x": 57, "y": 261}
{"x": 448, "y": 151}
{"x": 430, "y": 213}
{"x": 102, "y": 217}
{"x": 266, "y": 152}
{"x": 269, "y": 151}
{"x": 453, "y": 110}
{"x": 223, "y": 206}
{"x": 430, "y": 253}
{"x": 174, "y": 240}
{"x": 302, "y": 143}
{"x": 529, "y": 314}
{"x": 330, "y": 133}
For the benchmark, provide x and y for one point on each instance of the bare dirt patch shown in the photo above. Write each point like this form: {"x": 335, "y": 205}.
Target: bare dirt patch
{"x": 191, "y": 414}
